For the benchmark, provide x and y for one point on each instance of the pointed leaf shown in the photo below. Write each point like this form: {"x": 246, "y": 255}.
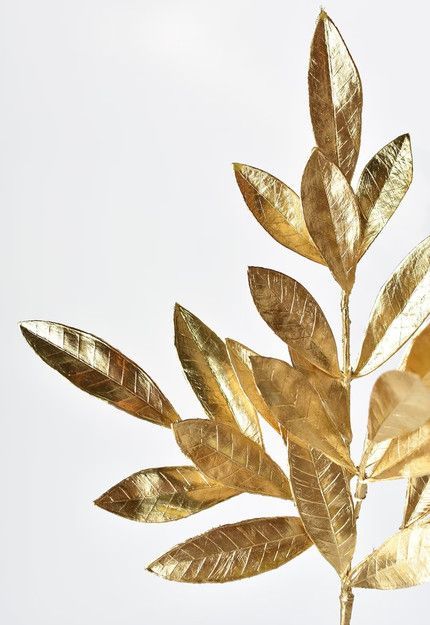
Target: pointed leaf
{"x": 382, "y": 186}
{"x": 417, "y": 358}
{"x": 240, "y": 358}
{"x": 207, "y": 366}
{"x": 321, "y": 491}
{"x": 277, "y": 208}
{"x": 226, "y": 456}
{"x": 298, "y": 408}
{"x": 417, "y": 500}
{"x": 335, "y": 97}
{"x": 293, "y": 314}
{"x": 402, "y": 561}
{"x": 164, "y": 494}
{"x": 400, "y": 308}
{"x": 99, "y": 369}
{"x": 234, "y": 551}
{"x": 332, "y": 216}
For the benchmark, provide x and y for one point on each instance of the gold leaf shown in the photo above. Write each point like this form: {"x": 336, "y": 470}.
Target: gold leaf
{"x": 417, "y": 358}
{"x": 417, "y": 500}
{"x": 332, "y": 216}
{"x": 400, "y": 308}
{"x": 293, "y": 314}
{"x": 164, "y": 494}
{"x": 234, "y": 551}
{"x": 207, "y": 366}
{"x": 99, "y": 369}
{"x": 277, "y": 208}
{"x": 382, "y": 186}
{"x": 240, "y": 358}
{"x": 226, "y": 456}
{"x": 330, "y": 390}
{"x": 335, "y": 97}
{"x": 402, "y": 561}
{"x": 399, "y": 403}
{"x": 321, "y": 491}
{"x": 298, "y": 408}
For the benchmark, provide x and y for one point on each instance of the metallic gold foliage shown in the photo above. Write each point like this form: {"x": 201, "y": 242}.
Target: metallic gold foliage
{"x": 164, "y": 494}
{"x": 332, "y": 216}
{"x": 335, "y": 97}
{"x": 382, "y": 186}
{"x": 402, "y": 561}
{"x": 296, "y": 404}
{"x": 321, "y": 491}
{"x": 417, "y": 500}
{"x": 400, "y": 308}
{"x": 207, "y": 366}
{"x": 234, "y": 551}
{"x": 226, "y": 456}
{"x": 277, "y": 208}
{"x": 291, "y": 311}
{"x": 417, "y": 358}
{"x": 99, "y": 369}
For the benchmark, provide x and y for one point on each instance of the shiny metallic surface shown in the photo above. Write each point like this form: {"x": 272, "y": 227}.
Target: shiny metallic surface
{"x": 417, "y": 506}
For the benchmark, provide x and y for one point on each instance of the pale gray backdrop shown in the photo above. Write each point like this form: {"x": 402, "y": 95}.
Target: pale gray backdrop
{"x": 119, "y": 121}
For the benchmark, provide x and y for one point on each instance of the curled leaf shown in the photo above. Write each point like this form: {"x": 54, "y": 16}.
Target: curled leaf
{"x": 277, "y": 208}
{"x": 294, "y": 315}
{"x": 226, "y": 456}
{"x": 321, "y": 491}
{"x": 99, "y": 369}
{"x": 402, "y": 561}
{"x": 335, "y": 97}
{"x": 298, "y": 408}
{"x": 163, "y": 494}
{"x": 417, "y": 500}
{"x": 417, "y": 358}
{"x": 400, "y": 308}
{"x": 205, "y": 360}
{"x": 332, "y": 216}
{"x": 234, "y": 551}
{"x": 382, "y": 186}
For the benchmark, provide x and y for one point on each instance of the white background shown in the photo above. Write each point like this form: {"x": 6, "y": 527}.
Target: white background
{"x": 119, "y": 122}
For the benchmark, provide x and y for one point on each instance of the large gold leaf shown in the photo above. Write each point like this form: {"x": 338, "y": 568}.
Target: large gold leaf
{"x": 402, "y": 561}
{"x": 417, "y": 358}
{"x": 99, "y": 369}
{"x": 298, "y": 408}
{"x": 234, "y": 551}
{"x": 332, "y": 216}
{"x": 335, "y": 97}
{"x": 331, "y": 391}
{"x": 321, "y": 491}
{"x": 400, "y": 403}
{"x": 277, "y": 208}
{"x": 291, "y": 311}
{"x": 417, "y": 500}
{"x": 400, "y": 308}
{"x": 226, "y": 456}
{"x": 240, "y": 358}
{"x": 207, "y": 366}
{"x": 163, "y": 494}
{"x": 382, "y": 186}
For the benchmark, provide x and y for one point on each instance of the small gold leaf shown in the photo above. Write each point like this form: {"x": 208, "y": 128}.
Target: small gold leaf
{"x": 277, "y": 208}
{"x": 99, "y": 369}
{"x": 382, "y": 186}
{"x": 164, "y": 494}
{"x": 399, "y": 403}
{"x": 234, "y": 551}
{"x": 417, "y": 500}
{"x": 402, "y": 561}
{"x": 226, "y": 456}
{"x": 321, "y": 491}
{"x": 207, "y": 366}
{"x": 332, "y": 216}
{"x": 335, "y": 97}
{"x": 400, "y": 308}
{"x": 417, "y": 358}
{"x": 331, "y": 391}
{"x": 298, "y": 408}
{"x": 293, "y": 314}
{"x": 240, "y": 358}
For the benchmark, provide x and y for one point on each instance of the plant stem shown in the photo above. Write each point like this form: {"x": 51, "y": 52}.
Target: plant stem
{"x": 346, "y": 603}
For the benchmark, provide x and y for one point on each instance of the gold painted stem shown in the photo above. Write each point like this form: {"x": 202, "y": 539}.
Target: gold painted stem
{"x": 346, "y": 603}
